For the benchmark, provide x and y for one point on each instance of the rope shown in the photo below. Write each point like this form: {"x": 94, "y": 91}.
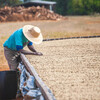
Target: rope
{"x": 71, "y": 38}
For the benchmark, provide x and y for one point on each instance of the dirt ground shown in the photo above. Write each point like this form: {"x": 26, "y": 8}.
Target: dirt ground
{"x": 72, "y": 27}
{"x": 70, "y": 68}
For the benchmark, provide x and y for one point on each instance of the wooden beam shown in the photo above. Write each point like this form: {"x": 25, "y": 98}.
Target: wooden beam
{"x": 40, "y": 84}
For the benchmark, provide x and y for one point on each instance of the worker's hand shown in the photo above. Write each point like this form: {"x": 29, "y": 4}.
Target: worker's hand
{"x": 38, "y": 53}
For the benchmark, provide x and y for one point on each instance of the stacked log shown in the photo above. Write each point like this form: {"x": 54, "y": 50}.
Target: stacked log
{"x": 26, "y": 14}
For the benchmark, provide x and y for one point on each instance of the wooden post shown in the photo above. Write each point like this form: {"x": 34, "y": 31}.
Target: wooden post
{"x": 40, "y": 84}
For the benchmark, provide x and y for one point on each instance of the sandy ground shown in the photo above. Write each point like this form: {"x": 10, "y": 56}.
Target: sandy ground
{"x": 70, "y": 68}
{"x": 76, "y": 24}
{"x": 72, "y": 27}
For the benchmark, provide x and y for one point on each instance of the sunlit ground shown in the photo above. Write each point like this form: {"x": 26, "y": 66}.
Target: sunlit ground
{"x": 72, "y": 27}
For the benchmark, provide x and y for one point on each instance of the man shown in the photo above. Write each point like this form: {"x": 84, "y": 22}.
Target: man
{"x": 18, "y": 40}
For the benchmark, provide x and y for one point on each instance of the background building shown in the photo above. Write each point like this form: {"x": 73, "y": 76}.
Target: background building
{"x": 47, "y": 4}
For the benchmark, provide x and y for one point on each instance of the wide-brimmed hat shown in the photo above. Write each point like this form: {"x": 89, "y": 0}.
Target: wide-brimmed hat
{"x": 33, "y": 34}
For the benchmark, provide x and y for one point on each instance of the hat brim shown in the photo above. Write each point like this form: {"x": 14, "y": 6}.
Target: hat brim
{"x": 26, "y": 33}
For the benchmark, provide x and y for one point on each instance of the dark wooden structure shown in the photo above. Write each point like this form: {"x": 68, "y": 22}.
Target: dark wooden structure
{"x": 47, "y": 4}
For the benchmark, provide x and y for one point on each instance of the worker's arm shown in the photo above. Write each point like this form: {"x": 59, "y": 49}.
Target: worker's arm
{"x": 28, "y": 52}
{"x": 33, "y": 50}
{"x": 21, "y": 50}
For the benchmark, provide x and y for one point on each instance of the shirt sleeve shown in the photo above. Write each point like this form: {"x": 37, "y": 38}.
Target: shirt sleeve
{"x": 30, "y": 43}
{"x": 18, "y": 47}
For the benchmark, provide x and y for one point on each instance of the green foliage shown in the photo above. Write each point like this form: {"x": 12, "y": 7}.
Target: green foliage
{"x": 67, "y": 7}
{"x": 83, "y": 7}
{"x": 9, "y": 2}
{"x": 77, "y": 7}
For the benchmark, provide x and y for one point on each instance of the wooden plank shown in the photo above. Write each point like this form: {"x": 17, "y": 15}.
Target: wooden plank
{"x": 44, "y": 89}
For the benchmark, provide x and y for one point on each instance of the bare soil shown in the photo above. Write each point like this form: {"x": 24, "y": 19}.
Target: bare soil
{"x": 70, "y": 68}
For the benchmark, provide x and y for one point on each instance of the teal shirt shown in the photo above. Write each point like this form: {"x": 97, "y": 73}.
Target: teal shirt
{"x": 17, "y": 38}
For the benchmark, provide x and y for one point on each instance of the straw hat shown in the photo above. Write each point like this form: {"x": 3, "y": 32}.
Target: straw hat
{"x": 33, "y": 34}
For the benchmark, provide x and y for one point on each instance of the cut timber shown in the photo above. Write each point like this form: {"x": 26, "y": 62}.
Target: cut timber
{"x": 44, "y": 89}
{"x": 23, "y": 14}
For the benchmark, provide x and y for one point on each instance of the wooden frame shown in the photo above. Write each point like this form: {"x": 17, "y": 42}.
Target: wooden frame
{"x": 40, "y": 84}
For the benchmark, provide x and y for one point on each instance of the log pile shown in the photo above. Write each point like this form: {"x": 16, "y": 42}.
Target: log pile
{"x": 26, "y": 14}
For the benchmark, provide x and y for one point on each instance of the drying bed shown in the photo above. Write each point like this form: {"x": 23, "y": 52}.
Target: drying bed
{"x": 70, "y": 68}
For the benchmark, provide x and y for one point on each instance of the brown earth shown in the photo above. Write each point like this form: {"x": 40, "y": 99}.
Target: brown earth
{"x": 70, "y": 68}
{"x": 73, "y": 26}
{"x": 81, "y": 66}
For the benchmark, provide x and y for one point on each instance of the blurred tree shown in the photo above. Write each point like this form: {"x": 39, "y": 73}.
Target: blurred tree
{"x": 80, "y": 7}
{"x": 67, "y": 7}
{"x": 61, "y": 6}
{"x": 9, "y": 2}
{"x": 83, "y": 7}
{"x": 96, "y": 6}
{"x": 77, "y": 7}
